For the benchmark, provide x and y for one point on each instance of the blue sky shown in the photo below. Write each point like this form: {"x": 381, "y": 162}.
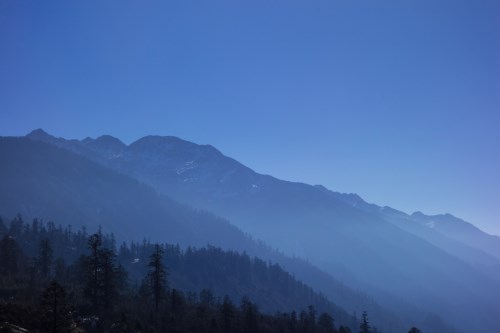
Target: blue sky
{"x": 398, "y": 101}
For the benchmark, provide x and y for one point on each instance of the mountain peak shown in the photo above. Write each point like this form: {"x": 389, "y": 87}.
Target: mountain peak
{"x": 418, "y": 214}
{"x": 168, "y": 143}
{"x": 106, "y": 142}
{"x": 110, "y": 141}
{"x": 40, "y": 135}
{"x": 159, "y": 139}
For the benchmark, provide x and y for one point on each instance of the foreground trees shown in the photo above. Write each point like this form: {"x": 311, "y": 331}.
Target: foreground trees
{"x": 55, "y": 313}
{"x": 365, "y": 327}
{"x": 76, "y": 283}
{"x": 102, "y": 275}
{"x": 9, "y": 256}
{"x": 44, "y": 260}
{"x": 157, "y": 276}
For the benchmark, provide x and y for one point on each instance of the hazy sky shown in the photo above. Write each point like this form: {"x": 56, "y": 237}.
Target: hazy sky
{"x": 398, "y": 101}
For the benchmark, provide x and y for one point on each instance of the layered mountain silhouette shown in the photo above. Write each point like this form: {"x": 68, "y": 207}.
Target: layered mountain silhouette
{"x": 40, "y": 180}
{"x": 406, "y": 262}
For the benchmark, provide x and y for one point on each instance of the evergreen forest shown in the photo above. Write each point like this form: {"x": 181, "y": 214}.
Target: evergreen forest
{"x": 54, "y": 279}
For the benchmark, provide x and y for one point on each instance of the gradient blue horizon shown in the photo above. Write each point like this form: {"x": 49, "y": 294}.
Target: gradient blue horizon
{"x": 397, "y": 101}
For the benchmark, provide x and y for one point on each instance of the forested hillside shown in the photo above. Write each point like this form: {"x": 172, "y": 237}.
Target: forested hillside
{"x": 399, "y": 268}
{"x": 102, "y": 288}
{"x": 41, "y": 180}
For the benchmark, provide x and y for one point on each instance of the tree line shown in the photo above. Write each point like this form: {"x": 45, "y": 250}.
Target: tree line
{"x": 56, "y": 280}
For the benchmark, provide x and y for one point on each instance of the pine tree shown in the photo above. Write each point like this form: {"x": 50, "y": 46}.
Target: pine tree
{"x": 364, "y": 327}
{"x": 44, "y": 259}
{"x": 311, "y": 318}
{"x": 9, "y": 256}
{"x": 250, "y": 316}
{"x": 157, "y": 276}
{"x": 3, "y": 228}
{"x": 56, "y": 316}
{"x": 16, "y": 226}
{"x": 344, "y": 329}
{"x": 325, "y": 323}
{"x": 103, "y": 277}
{"x": 107, "y": 278}
{"x": 227, "y": 313}
{"x": 91, "y": 269}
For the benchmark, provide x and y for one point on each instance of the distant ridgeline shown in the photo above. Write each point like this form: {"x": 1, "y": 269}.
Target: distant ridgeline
{"x": 42, "y": 180}
{"x": 55, "y": 279}
{"x": 412, "y": 269}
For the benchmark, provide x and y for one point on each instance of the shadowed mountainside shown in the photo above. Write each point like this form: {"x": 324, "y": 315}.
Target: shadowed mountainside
{"x": 377, "y": 255}
{"x": 40, "y": 180}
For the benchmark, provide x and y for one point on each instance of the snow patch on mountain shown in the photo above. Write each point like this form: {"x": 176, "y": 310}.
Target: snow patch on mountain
{"x": 431, "y": 224}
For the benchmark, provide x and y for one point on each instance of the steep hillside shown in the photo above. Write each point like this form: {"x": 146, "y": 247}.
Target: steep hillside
{"x": 40, "y": 180}
{"x": 364, "y": 249}
{"x": 461, "y": 231}
{"x": 443, "y": 231}
{"x": 191, "y": 270}
{"x": 42, "y": 262}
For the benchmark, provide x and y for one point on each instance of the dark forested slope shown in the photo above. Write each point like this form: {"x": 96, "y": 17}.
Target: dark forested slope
{"x": 363, "y": 248}
{"x": 40, "y": 180}
{"x": 34, "y": 254}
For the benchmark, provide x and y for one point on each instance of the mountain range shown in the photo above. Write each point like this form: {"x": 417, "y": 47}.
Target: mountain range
{"x": 40, "y": 180}
{"x": 412, "y": 265}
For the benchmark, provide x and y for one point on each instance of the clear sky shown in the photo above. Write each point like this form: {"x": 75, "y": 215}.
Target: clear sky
{"x": 396, "y": 100}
